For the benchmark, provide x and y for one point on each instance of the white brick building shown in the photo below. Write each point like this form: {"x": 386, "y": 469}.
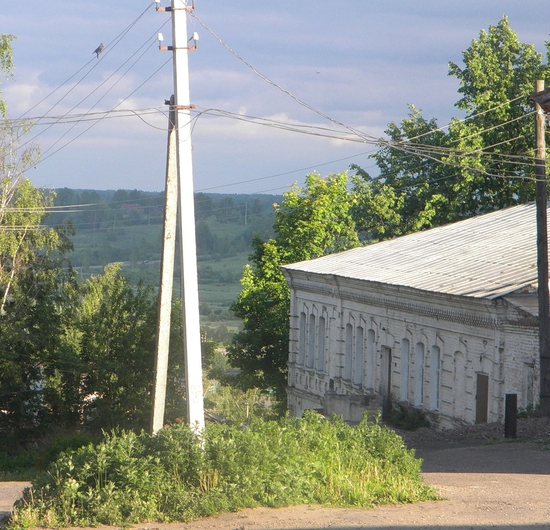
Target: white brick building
{"x": 444, "y": 320}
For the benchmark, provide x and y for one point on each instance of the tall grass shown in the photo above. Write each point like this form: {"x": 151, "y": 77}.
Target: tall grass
{"x": 178, "y": 476}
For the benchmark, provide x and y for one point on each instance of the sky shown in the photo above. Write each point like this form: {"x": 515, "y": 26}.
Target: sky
{"x": 314, "y": 66}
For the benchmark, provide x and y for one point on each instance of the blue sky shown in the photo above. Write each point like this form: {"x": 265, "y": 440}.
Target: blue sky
{"x": 359, "y": 62}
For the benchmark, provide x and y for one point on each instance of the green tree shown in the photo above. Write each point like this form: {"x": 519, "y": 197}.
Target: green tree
{"x": 116, "y": 348}
{"x": 33, "y": 276}
{"x": 226, "y": 210}
{"x": 499, "y": 73}
{"x": 430, "y": 176}
{"x": 204, "y": 207}
{"x": 311, "y": 221}
{"x": 207, "y": 242}
{"x": 6, "y": 63}
{"x": 32, "y": 283}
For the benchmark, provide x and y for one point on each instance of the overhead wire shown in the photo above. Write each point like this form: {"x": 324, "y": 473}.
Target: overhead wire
{"x": 109, "y": 47}
{"x": 114, "y": 108}
{"x": 330, "y": 133}
{"x": 470, "y": 117}
{"x": 411, "y": 148}
{"x": 407, "y": 147}
{"x": 100, "y": 115}
{"x": 258, "y": 179}
{"x": 403, "y": 146}
{"x": 274, "y": 84}
{"x": 120, "y": 103}
{"x": 104, "y": 95}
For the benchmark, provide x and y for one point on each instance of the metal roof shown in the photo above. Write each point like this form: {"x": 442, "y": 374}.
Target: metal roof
{"x": 487, "y": 256}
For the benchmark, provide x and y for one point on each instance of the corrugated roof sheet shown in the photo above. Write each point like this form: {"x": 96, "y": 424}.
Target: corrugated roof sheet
{"x": 486, "y": 256}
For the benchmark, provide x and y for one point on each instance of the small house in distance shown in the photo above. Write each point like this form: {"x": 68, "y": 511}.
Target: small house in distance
{"x": 443, "y": 320}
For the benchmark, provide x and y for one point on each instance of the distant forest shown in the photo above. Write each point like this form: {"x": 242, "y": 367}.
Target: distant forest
{"x": 107, "y": 220}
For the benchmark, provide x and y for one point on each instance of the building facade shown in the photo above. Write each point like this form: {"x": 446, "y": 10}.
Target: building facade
{"x": 444, "y": 321}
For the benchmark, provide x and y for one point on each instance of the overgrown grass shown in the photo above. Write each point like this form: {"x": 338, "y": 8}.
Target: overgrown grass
{"x": 178, "y": 476}
{"x": 18, "y": 463}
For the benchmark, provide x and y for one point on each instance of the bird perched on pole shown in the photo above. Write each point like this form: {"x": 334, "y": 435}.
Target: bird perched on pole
{"x": 99, "y": 49}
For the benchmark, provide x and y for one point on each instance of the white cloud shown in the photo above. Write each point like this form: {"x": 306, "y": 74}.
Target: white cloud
{"x": 358, "y": 62}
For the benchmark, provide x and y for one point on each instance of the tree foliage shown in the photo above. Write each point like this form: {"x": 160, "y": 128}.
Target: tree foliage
{"x": 114, "y": 327}
{"x": 6, "y": 63}
{"x": 429, "y": 175}
{"x": 311, "y": 221}
{"x": 32, "y": 284}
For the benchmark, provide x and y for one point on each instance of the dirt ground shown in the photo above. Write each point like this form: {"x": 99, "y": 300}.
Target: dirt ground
{"x": 486, "y": 482}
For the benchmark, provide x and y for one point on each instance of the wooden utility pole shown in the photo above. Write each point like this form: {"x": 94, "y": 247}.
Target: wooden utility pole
{"x": 542, "y": 256}
{"x": 166, "y": 277}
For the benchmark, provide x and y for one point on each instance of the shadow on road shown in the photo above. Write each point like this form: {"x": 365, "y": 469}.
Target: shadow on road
{"x": 511, "y": 457}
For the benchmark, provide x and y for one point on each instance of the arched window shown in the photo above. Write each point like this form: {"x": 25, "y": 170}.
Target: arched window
{"x": 419, "y": 374}
{"x": 359, "y": 356}
{"x": 370, "y": 364}
{"x": 321, "y": 345}
{"x": 459, "y": 386}
{"x": 310, "y": 342}
{"x": 348, "y": 352}
{"x": 435, "y": 359}
{"x": 302, "y": 339}
{"x": 405, "y": 347}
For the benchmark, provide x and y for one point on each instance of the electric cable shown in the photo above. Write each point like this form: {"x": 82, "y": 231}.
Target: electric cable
{"x": 98, "y": 121}
{"x": 109, "y": 46}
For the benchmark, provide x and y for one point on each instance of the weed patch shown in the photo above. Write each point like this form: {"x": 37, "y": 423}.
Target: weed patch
{"x": 408, "y": 418}
{"x": 179, "y": 476}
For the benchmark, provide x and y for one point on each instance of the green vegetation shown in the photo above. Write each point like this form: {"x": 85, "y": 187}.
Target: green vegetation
{"x": 126, "y": 226}
{"x": 311, "y": 221}
{"x": 428, "y": 176}
{"x": 178, "y": 476}
{"x": 6, "y": 64}
{"x": 80, "y": 357}
{"x": 408, "y": 418}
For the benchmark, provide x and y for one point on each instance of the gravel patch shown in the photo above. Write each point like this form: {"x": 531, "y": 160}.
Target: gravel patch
{"x": 532, "y": 429}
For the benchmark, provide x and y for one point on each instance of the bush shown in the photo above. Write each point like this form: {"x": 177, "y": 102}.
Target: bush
{"x": 20, "y": 462}
{"x": 178, "y": 475}
{"x": 408, "y": 418}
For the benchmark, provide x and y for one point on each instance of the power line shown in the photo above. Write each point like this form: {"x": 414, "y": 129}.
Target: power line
{"x": 413, "y": 149}
{"x": 272, "y": 83}
{"x": 113, "y": 43}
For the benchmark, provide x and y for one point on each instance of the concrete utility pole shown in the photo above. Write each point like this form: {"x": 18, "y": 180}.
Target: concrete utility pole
{"x": 188, "y": 252}
{"x": 542, "y": 248}
{"x": 188, "y": 244}
{"x": 166, "y": 276}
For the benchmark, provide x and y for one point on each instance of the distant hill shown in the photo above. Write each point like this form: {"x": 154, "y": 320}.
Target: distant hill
{"x": 126, "y": 226}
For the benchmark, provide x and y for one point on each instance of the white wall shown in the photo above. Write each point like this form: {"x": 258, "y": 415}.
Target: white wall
{"x": 438, "y": 343}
